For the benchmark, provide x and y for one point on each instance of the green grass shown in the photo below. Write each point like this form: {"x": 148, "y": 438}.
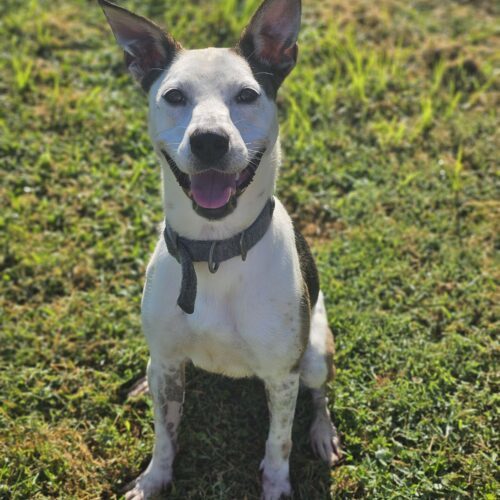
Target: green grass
{"x": 390, "y": 138}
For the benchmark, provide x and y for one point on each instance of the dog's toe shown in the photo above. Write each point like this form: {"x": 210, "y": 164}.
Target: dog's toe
{"x": 325, "y": 441}
{"x": 275, "y": 482}
{"x": 135, "y": 493}
{"x": 275, "y": 490}
{"x": 148, "y": 485}
{"x": 332, "y": 453}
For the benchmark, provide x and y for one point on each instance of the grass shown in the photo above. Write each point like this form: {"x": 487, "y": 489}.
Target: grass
{"x": 390, "y": 138}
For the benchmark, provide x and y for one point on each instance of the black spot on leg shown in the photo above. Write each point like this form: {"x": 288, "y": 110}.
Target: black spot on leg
{"x": 174, "y": 393}
{"x": 174, "y": 387}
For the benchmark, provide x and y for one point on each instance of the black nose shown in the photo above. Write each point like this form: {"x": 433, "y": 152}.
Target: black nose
{"x": 208, "y": 146}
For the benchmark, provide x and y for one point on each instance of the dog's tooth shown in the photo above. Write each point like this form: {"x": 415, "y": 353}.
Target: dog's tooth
{"x": 238, "y": 176}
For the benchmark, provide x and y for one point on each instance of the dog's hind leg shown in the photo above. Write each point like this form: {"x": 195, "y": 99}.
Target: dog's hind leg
{"x": 166, "y": 385}
{"x": 316, "y": 370}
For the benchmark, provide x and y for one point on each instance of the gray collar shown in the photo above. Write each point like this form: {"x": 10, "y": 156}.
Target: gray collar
{"x": 214, "y": 252}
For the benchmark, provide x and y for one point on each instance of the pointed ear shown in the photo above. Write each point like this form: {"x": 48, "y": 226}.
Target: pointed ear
{"x": 148, "y": 49}
{"x": 269, "y": 42}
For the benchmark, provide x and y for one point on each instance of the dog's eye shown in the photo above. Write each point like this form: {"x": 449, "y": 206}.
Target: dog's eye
{"x": 174, "y": 97}
{"x": 247, "y": 96}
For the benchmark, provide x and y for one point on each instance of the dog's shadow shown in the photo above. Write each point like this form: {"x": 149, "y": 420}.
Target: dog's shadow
{"x": 222, "y": 442}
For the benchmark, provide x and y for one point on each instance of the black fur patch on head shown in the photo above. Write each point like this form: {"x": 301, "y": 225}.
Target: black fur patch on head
{"x": 148, "y": 49}
{"x": 263, "y": 73}
{"x": 172, "y": 48}
{"x": 269, "y": 42}
{"x": 154, "y": 73}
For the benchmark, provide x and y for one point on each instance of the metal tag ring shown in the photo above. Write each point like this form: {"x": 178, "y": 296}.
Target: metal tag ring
{"x": 212, "y": 266}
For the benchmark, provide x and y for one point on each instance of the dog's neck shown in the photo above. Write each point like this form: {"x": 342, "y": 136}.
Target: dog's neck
{"x": 186, "y": 222}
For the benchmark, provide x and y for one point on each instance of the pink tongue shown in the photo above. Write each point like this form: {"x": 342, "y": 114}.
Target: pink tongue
{"x": 212, "y": 189}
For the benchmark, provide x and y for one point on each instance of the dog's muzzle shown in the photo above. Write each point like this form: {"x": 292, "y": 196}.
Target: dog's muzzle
{"x": 214, "y": 193}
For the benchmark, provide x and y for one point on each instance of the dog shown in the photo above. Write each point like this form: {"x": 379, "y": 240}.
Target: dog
{"x": 232, "y": 285}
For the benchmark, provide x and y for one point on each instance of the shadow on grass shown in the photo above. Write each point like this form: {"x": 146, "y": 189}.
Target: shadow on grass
{"x": 222, "y": 441}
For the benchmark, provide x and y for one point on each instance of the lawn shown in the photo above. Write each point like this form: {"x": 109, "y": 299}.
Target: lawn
{"x": 390, "y": 135}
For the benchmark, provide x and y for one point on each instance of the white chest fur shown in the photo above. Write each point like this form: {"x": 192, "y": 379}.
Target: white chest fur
{"x": 246, "y": 314}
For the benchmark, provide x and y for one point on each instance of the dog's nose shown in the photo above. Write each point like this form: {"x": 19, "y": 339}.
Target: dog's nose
{"x": 209, "y": 146}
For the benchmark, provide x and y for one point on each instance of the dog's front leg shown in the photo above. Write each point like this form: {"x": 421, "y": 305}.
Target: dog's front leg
{"x": 281, "y": 399}
{"x": 166, "y": 385}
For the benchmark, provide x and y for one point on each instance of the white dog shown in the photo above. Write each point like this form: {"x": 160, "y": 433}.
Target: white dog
{"x": 232, "y": 285}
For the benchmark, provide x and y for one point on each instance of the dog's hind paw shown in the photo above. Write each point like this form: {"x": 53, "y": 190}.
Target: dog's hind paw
{"x": 325, "y": 441}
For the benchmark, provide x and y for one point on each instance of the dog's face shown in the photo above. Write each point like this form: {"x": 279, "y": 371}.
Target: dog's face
{"x": 212, "y": 121}
{"x": 212, "y": 111}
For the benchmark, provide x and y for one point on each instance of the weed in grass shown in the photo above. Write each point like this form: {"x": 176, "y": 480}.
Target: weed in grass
{"x": 22, "y": 67}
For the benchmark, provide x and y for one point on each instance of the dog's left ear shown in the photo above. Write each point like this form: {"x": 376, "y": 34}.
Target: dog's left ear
{"x": 148, "y": 49}
{"x": 269, "y": 42}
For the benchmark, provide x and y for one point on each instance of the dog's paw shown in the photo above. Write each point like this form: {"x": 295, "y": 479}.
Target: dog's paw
{"x": 274, "y": 488}
{"x": 275, "y": 483}
{"x": 148, "y": 485}
{"x": 325, "y": 441}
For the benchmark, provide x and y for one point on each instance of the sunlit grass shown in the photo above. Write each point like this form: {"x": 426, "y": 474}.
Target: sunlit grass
{"x": 390, "y": 139}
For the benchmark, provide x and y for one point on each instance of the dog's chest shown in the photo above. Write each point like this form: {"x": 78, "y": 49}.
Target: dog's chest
{"x": 246, "y": 316}
{"x": 217, "y": 341}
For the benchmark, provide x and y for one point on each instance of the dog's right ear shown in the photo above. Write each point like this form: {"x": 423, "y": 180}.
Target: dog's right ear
{"x": 148, "y": 49}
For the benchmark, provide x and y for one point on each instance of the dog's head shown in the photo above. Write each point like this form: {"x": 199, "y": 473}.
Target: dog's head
{"x": 212, "y": 116}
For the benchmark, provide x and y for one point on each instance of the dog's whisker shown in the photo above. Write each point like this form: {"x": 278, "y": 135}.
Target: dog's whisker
{"x": 257, "y": 142}
{"x": 254, "y": 151}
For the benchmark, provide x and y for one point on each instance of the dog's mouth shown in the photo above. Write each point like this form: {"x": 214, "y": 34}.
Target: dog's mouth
{"x": 215, "y": 193}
